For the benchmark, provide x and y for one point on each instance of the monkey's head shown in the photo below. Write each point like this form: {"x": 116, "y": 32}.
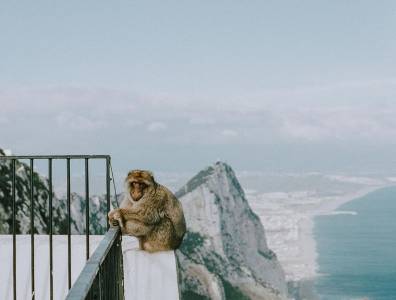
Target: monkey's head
{"x": 139, "y": 183}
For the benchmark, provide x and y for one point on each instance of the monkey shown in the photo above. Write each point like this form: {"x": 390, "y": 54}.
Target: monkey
{"x": 150, "y": 212}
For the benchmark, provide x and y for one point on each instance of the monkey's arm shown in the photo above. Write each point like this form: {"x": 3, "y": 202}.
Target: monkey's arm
{"x": 149, "y": 216}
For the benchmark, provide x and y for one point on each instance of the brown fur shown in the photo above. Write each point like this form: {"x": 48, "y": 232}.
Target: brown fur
{"x": 150, "y": 212}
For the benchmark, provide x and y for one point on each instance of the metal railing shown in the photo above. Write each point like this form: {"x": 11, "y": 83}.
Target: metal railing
{"x": 30, "y": 174}
{"x": 102, "y": 276}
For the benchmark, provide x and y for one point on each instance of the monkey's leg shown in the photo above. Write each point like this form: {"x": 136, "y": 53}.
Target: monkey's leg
{"x": 161, "y": 238}
{"x": 136, "y": 228}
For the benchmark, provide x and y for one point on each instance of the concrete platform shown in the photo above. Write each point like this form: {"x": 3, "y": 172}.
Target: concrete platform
{"x": 41, "y": 248}
{"x": 148, "y": 276}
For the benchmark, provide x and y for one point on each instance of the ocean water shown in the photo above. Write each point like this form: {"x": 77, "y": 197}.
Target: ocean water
{"x": 357, "y": 252}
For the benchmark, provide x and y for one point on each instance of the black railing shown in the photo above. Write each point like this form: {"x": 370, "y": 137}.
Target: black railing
{"x": 102, "y": 276}
{"x": 50, "y": 159}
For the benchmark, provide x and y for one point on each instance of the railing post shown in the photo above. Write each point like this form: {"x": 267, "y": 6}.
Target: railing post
{"x": 14, "y": 231}
{"x": 87, "y": 208}
{"x": 50, "y": 228}
{"x": 107, "y": 189}
{"x": 32, "y": 228}
{"x": 68, "y": 224}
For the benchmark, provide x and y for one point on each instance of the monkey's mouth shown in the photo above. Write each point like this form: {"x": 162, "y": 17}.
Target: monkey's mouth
{"x": 135, "y": 197}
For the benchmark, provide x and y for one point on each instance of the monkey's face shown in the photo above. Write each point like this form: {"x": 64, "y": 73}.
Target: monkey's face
{"x": 137, "y": 190}
{"x": 139, "y": 182}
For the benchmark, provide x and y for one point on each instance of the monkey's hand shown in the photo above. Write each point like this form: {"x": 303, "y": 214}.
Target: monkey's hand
{"x": 115, "y": 218}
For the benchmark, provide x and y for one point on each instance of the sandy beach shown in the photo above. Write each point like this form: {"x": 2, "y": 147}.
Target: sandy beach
{"x": 288, "y": 219}
{"x": 328, "y": 206}
{"x": 306, "y": 227}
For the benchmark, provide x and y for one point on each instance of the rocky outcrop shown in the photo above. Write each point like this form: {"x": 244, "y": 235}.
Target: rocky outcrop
{"x": 224, "y": 254}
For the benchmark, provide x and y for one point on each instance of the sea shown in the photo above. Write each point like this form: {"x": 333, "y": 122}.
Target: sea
{"x": 357, "y": 249}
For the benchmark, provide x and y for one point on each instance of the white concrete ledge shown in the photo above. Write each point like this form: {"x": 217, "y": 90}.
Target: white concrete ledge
{"x": 148, "y": 276}
{"x": 41, "y": 249}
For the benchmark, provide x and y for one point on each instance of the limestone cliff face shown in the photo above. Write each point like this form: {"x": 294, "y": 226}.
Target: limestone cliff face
{"x": 224, "y": 254}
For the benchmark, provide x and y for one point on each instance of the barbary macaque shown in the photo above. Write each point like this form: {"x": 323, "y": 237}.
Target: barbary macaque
{"x": 150, "y": 212}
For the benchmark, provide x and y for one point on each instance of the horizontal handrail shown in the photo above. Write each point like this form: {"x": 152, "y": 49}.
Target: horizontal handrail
{"x": 74, "y": 156}
{"x": 94, "y": 268}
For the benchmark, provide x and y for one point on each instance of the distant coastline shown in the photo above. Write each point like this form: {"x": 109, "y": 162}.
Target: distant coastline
{"x": 288, "y": 204}
{"x": 304, "y": 286}
{"x": 356, "y": 253}
{"x": 307, "y": 240}
{"x": 288, "y": 219}
{"x": 328, "y": 207}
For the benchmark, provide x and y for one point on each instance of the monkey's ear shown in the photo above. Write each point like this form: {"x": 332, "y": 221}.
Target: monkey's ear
{"x": 151, "y": 174}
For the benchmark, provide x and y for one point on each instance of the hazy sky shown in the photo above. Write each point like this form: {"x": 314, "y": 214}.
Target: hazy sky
{"x": 176, "y": 85}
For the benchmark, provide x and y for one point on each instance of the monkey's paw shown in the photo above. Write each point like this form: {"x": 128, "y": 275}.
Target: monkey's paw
{"x": 115, "y": 218}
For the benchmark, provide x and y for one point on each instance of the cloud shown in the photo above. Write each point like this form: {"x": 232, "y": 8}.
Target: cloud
{"x": 201, "y": 120}
{"x": 229, "y": 133}
{"x": 132, "y": 123}
{"x": 156, "y": 126}
{"x": 3, "y": 120}
{"x": 348, "y": 123}
{"x": 255, "y": 120}
{"x": 70, "y": 120}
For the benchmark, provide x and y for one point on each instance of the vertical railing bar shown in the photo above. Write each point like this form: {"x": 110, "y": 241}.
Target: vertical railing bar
{"x": 117, "y": 267}
{"x": 121, "y": 264}
{"x": 50, "y": 227}
{"x": 108, "y": 189}
{"x": 32, "y": 228}
{"x": 68, "y": 224}
{"x": 14, "y": 230}
{"x": 100, "y": 282}
{"x": 87, "y": 207}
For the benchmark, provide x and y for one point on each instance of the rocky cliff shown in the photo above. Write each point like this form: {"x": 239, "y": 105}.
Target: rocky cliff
{"x": 224, "y": 254}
